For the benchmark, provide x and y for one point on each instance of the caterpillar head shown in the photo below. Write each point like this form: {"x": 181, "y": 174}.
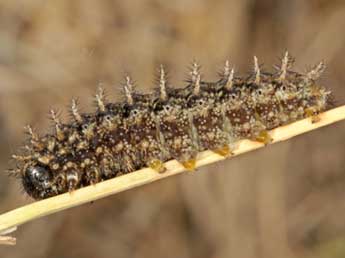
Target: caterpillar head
{"x": 38, "y": 181}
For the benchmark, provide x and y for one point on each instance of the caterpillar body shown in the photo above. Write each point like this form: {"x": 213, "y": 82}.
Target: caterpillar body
{"x": 145, "y": 130}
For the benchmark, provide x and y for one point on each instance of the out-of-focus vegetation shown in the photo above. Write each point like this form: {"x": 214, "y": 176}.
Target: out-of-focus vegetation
{"x": 284, "y": 201}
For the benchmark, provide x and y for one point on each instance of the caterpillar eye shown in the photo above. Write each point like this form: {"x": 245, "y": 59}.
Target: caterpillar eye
{"x": 260, "y": 92}
{"x": 135, "y": 112}
{"x": 233, "y": 96}
{"x": 284, "y": 88}
{"x": 84, "y": 126}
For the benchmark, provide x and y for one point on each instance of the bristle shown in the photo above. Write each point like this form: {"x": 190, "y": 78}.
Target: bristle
{"x": 56, "y": 120}
{"x": 286, "y": 64}
{"x": 196, "y": 78}
{"x": 100, "y": 99}
{"x": 21, "y": 157}
{"x": 257, "y": 70}
{"x": 162, "y": 84}
{"x": 75, "y": 112}
{"x": 128, "y": 87}
{"x": 27, "y": 148}
{"x": 195, "y": 71}
{"x": 34, "y": 139}
{"x": 227, "y": 69}
{"x": 316, "y": 72}
{"x": 14, "y": 172}
{"x": 32, "y": 134}
{"x": 230, "y": 79}
{"x": 196, "y": 89}
{"x": 284, "y": 67}
{"x": 54, "y": 117}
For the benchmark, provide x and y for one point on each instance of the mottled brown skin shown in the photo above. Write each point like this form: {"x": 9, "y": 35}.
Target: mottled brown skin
{"x": 144, "y": 132}
{"x": 239, "y": 110}
{"x": 110, "y": 125}
{"x": 267, "y": 106}
{"x": 315, "y": 100}
{"x": 207, "y": 118}
{"x": 116, "y": 138}
{"x": 147, "y": 130}
{"x": 175, "y": 127}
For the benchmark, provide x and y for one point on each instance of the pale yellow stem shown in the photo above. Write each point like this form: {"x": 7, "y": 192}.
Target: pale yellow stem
{"x": 61, "y": 202}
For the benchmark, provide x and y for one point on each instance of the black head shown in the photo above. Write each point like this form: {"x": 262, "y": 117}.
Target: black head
{"x": 38, "y": 182}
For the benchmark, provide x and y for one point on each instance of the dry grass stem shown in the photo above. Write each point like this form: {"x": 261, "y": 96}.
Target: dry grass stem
{"x": 45, "y": 207}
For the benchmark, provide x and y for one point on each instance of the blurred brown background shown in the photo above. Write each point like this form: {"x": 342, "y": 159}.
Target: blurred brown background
{"x": 286, "y": 200}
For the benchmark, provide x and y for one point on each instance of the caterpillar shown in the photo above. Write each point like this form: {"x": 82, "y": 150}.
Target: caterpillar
{"x": 145, "y": 130}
